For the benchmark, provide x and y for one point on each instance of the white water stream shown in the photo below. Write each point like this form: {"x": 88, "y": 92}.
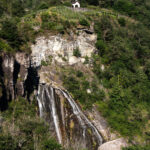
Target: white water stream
{"x": 51, "y": 106}
{"x": 54, "y": 113}
{"x": 83, "y": 120}
{"x": 81, "y": 117}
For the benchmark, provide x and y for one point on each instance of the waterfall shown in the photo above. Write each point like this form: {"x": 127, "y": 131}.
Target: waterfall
{"x": 50, "y": 105}
{"x": 40, "y": 103}
{"x": 80, "y": 115}
{"x": 54, "y": 114}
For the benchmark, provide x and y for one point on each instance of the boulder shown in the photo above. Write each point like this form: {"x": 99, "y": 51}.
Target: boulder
{"x": 117, "y": 144}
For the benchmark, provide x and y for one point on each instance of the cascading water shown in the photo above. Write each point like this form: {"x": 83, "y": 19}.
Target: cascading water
{"x": 54, "y": 113}
{"x": 82, "y": 118}
{"x": 72, "y": 127}
{"x": 52, "y": 107}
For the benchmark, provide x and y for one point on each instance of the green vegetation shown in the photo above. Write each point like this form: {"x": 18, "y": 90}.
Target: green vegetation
{"x": 4, "y": 46}
{"x": 138, "y": 9}
{"x": 123, "y": 48}
{"x": 137, "y": 148}
{"x": 78, "y": 84}
{"x": 122, "y": 21}
{"x": 84, "y": 22}
{"x": 22, "y": 129}
{"x": 9, "y": 32}
{"x": 125, "y": 76}
{"x": 76, "y": 52}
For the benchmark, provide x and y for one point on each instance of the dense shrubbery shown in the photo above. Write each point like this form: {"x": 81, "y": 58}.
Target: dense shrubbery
{"x": 4, "y": 46}
{"x": 122, "y": 21}
{"x": 136, "y": 9}
{"x": 126, "y": 76}
{"x": 9, "y": 32}
{"x": 84, "y": 22}
{"x": 137, "y": 148}
{"x": 76, "y": 83}
{"x": 125, "y": 6}
{"x": 20, "y": 8}
{"x": 23, "y": 130}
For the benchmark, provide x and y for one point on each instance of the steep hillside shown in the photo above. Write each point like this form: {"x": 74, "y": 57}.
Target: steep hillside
{"x": 100, "y": 54}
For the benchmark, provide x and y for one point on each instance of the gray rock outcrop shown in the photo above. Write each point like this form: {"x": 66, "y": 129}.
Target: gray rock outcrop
{"x": 117, "y": 144}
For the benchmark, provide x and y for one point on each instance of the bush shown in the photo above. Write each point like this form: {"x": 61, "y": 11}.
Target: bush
{"x": 43, "y": 6}
{"x": 7, "y": 143}
{"x": 122, "y": 21}
{"x": 10, "y": 33}
{"x": 93, "y": 2}
{"x": 137, "y": 147}
{"x": 18, "y": 8}
{"x": 78, "y": 86}
{"x": 76, "y": 52}
{"x": 60, "y": 28}
{"x": 100, "y": 45}
{"x": 51, "y": 144}
{"x": 84, "y": 22}
{"x": 5, "y": 47}
{"x": 48, "y": 25}
{"x": 44, "y": 63}
{"x": 79, "y": 74}
{"x": 124, "y": 6}
{"x": 45, "y": 17}
{"x": 67, "y": 4}
{"x": 1, "y": 11}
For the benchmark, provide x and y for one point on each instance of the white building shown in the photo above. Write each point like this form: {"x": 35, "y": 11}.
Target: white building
{"x": 76, "y": 4}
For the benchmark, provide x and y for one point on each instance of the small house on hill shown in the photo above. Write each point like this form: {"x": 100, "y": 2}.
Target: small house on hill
{"x": 76, "y": 4}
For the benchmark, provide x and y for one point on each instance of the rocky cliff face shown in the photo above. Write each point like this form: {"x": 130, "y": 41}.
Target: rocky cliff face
{"x": 19, "y": 72}
{"x": 18, "y": 77}
{"x": 61, "y": 48}
{"x": 23, "y": 75}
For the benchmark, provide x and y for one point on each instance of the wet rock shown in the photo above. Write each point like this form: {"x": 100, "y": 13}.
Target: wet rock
{"x": 67, "y": 121}
{"x": 101, "y": 124}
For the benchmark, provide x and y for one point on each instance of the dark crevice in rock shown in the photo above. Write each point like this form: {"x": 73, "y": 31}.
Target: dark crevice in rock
{"x": 1, "y": 70}
{"x": 31, "y": 82}
{"x": 3, "y": 98}
{"x": 15, "y": 73}
{"x": 86, "y": 30}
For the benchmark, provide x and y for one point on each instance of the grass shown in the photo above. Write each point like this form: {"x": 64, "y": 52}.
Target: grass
{"x": 67, "y": 14}
{"x": 63, "y": 15}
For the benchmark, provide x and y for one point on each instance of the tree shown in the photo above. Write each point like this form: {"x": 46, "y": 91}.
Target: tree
{"x": 17, "y": 8}
{"x": 7, "y": 143}
{"x": 10, "y": 33}
{"x": 51, "y": 144}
